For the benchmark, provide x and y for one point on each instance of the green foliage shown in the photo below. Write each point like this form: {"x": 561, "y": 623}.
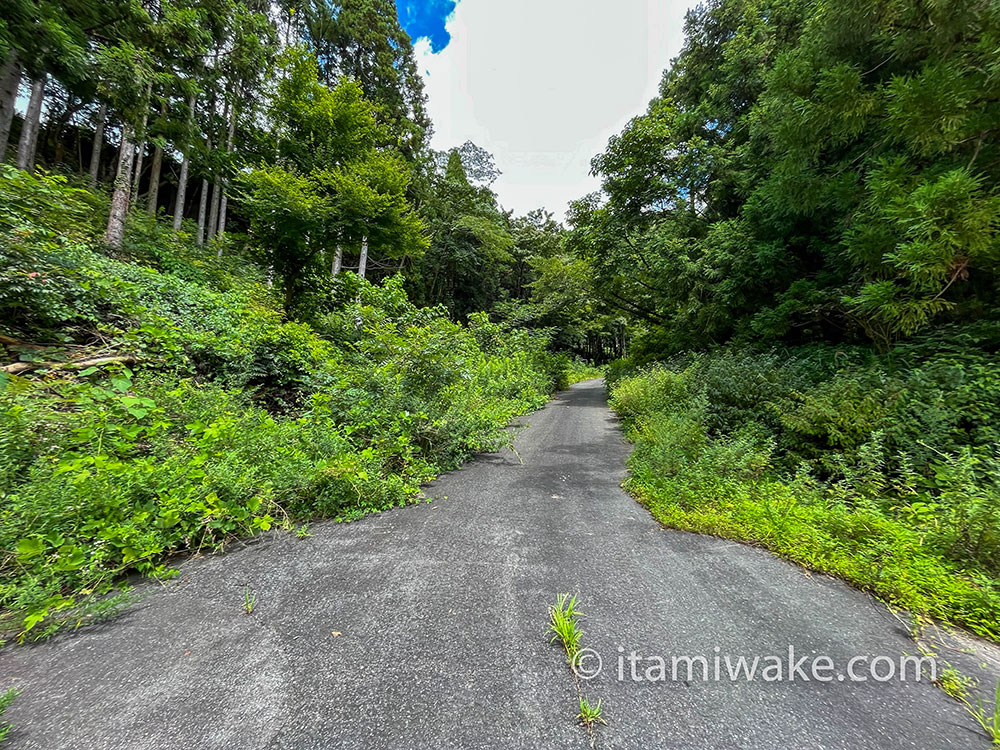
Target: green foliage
{"x": 580, "y": 370}
{"x": 850, "y": 465}
{"x": 472, "y": 246}
{"x": 812, "y": 170}
{"x": 363, "y": 40}
{"x": 564, "y": 624}
{"x": 659, "y": 390}
{"x": 988, "y": 717}
{"x": 335, "y": 183}
{"x": 214, "y": 416}
{"x": 43, "y": 223}
{"x": 5, "y": 700}
{"x": 590, "y": 713}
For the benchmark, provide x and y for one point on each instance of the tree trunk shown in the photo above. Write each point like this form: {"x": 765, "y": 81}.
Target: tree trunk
{"x": 202, "y": 207}
{"x": 182, "y": 181}
{"x": 223, "y": 206}
{"x": 338, "y": 261}
{"x": 213, "y": 214}
{"x": 95, "y": 152}
{"x": 154, "y": 181}
{"x": 120, "y": 197}
{"x": 142, "y": 147}
{"x": 363, "y": 260}
{"x": 137, "y": 171}
{"x": 10, "y": 82}
{"x": 56, "y": 128}
{"x": 203, "y": 231}
{"x": 29, "y": 130}
{"x": 224, "y": 181}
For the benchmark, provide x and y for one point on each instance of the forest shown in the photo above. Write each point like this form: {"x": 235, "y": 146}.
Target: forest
{"x": 239, "y": 290}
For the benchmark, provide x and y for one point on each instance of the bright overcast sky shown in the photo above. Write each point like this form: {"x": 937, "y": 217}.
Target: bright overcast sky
{"x": 543, "y": 84}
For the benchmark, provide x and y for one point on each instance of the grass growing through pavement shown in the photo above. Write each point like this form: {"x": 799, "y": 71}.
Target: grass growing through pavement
{"x": 249, "y": 600}
{"x": 564, "y": 623}
{"x": 5, "y": 700}
{"x": 980, "y": 712}
{"x": 590, "y": 714}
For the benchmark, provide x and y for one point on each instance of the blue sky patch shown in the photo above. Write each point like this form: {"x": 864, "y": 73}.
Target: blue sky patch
{"x": 424, "y": 19}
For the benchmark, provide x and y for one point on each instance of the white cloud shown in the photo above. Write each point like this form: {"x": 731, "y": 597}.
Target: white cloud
{"x": 543, "y": 84}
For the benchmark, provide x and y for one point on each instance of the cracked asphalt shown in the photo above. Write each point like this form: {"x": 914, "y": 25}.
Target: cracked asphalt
{"x": 424, "y": 627}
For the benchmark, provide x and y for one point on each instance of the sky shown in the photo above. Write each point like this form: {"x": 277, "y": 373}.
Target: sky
{"x": 541, "y": 84}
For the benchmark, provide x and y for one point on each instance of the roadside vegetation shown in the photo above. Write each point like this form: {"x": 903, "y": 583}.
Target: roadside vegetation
{"x": 987, "y": 715}
{"x": 843, "y": 468}
{"x": 239, "y": 290}
{"x": 160, "y": 401}
{"x": 805, "y": 228}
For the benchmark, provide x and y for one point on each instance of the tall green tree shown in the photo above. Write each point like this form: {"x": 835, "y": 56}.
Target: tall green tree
{"x": 471, "y": 248}
{"x": 362, "y": 40}
{"x": 810, "y": 170}
{"x": 335, "y": 185}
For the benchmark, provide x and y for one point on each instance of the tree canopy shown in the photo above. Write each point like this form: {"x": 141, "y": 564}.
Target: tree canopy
{"x": 811, "y": 170}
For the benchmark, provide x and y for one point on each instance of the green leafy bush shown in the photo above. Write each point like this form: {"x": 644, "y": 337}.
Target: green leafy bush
{"x": 883, "y": 471}
{"x": 579, "y": 370}
{"x": 206, "y": 414}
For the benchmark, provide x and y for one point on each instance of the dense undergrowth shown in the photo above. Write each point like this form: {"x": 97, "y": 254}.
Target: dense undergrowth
{"x": 883, "y": 470}
{"x": 160, "y": 401}
{"x": 579, "y": 370}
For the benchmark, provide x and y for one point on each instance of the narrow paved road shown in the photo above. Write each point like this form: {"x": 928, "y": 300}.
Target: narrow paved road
{"x": 425, "y": 628}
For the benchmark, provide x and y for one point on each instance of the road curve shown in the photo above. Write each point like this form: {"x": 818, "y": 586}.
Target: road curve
{"x": 424, "y": 627}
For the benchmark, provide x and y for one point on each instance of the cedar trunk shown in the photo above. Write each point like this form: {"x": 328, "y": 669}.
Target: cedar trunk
{"x": 10, "y": 82}
{"x": 154, "y": 180}
{"x": 142, "y": 148}
{"x": 338, "y": 261}
{"x": 29, "y": 130}
{"x": 120, "y": 197}
{"x": 182, "y": 181}
{"x": 363, "y": 260}
{"x": 137, "y": 172}
{"x": 202, "y": 207}
{"x": 224, "y": 181}
{"x": 95, "y": 152}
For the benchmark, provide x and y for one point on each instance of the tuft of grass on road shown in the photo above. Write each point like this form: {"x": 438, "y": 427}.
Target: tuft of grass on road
{"x": 5, "y": 700}
{"x": 590, "y": 714}
{"x": 564, "y": 623}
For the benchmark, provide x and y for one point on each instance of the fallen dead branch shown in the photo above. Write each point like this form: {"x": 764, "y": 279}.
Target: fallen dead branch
{"x": 21, "y": 367}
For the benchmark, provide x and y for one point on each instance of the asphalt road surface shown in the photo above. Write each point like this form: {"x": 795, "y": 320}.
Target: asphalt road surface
{"x": 425, "y": 627}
